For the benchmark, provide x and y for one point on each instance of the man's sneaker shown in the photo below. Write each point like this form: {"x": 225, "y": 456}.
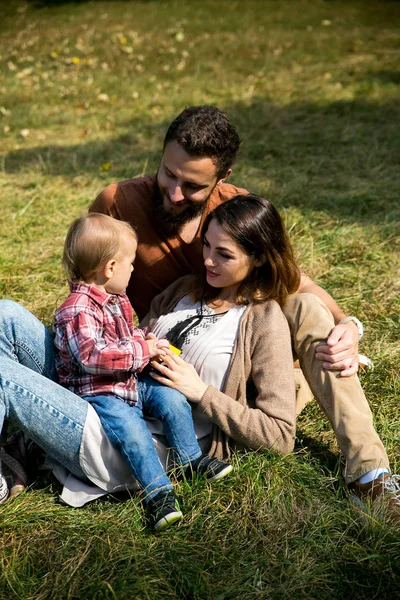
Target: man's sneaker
{"x": 212, "y": 468}
{"x": 385, "y": 490}
{"x": 164, "y": 510}
{"x": 3, "y": 489}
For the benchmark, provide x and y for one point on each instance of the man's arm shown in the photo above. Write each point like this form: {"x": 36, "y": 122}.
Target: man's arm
{"x": 341, "y": 349}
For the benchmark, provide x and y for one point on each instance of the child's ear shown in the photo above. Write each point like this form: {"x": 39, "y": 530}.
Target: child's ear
{"x": 109, "y": 268}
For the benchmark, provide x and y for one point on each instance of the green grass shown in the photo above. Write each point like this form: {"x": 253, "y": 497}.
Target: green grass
{"x": 87, "y": 90}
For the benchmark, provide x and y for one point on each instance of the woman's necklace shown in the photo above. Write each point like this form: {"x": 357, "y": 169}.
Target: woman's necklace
{"x": 178, "y": 334}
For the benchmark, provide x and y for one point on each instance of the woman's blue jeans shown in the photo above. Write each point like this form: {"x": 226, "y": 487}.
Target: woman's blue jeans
{"x": 128, "y": 432}
{"x": 29, "y": 397}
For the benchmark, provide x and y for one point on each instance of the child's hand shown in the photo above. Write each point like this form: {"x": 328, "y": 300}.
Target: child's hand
{"x": 152, "y": 344}
{"x": 163, "y": 345}
{"x": 156, "y": 347}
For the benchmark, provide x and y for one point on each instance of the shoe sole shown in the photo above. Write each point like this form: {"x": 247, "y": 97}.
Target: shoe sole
{"x": 168, "y": 520}
{"x": 4, "y": 499}
{"x": 14, "y": 473}
{"x": 221, "y": 474}
{"x": 4, "y": 491}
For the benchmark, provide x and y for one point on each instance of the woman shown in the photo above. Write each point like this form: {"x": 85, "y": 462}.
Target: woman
{"x": 242, "y": 380}
{"x": 232, "y": 332}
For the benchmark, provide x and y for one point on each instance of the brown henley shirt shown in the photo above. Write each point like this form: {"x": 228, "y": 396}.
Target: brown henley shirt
{"x": 160, "y": 260}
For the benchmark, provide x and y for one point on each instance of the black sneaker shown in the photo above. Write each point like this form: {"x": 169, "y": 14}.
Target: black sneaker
{"x": 212, "y": 468}
{"x": 164, "y": 510}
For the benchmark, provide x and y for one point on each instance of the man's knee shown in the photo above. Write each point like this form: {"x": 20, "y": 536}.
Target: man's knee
{"x": 306, "y": 304}
{"x": 10, "y": 310}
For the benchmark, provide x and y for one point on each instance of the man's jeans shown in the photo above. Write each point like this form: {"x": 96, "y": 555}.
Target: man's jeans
{"x": 29, "y": 397}
{"x": 127, "y": 431}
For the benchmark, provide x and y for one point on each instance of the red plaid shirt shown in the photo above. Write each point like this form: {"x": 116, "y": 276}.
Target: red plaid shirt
{"x": 99, "y": 348}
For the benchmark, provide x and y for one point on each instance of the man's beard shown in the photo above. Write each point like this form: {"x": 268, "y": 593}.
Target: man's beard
{"x": 172, "y": 223}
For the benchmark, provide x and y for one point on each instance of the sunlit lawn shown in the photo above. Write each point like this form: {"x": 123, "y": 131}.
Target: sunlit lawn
{"x": 87, "y": 90}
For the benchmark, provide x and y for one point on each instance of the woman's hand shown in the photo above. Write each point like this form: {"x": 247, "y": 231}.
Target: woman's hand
{"x": 179, "y": 375}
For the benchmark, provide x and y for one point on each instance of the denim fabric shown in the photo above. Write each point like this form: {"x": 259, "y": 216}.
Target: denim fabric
{"x": 52, "y": 416}
{"x": 56, "y": 424}
{"x": 127, "y": 430}
{"x": 24, "y": 339}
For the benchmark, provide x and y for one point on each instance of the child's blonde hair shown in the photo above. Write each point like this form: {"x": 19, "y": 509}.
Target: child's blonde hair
{"x": 93, "y": 240}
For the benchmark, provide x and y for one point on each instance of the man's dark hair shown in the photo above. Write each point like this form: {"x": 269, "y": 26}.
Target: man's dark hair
{"x": 206, "y": 131}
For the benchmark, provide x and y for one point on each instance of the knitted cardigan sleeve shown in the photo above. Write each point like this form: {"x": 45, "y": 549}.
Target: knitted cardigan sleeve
{"x": 257, "y": 408}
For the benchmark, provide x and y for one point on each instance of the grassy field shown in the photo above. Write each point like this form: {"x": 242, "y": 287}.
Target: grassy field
{"x": 86, "y": 92}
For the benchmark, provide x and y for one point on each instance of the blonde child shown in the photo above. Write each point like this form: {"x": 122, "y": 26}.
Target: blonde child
{"x": 100, "y": 352}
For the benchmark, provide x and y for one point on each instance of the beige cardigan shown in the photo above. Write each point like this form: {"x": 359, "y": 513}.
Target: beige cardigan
{"x": 257, "y": 407}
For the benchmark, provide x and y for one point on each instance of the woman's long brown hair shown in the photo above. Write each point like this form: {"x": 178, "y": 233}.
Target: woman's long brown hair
{"x": 256, "y": 226}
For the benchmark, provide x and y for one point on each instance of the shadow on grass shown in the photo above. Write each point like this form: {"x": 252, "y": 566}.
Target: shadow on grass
{"x": 293, "y": 542}
{"x": 387, "y": 77}
{"x": 319, "y": 452}
{"x": 341, "y": 158}
{"x": 44, "y": 3}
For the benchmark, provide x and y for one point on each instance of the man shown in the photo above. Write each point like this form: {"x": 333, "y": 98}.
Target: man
{"x": 167, "y": 212}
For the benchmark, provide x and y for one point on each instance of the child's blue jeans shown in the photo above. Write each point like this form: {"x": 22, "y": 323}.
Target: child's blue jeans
{"x": 127, "y": 431}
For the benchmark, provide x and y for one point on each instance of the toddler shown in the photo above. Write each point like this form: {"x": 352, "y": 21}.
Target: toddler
{"x": 100, "y": 352}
